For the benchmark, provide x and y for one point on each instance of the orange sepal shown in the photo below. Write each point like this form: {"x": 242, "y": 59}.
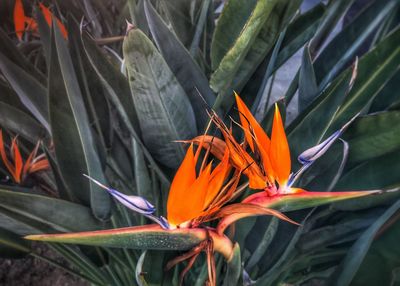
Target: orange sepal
{"x": 234, "y": 212}
{"x": 48, "y": 17}
{"x": 279, "y": 152}
{"x": 19, "y": 19}
{"x": 18, "y": 163}
{"x": 251, "y": 126}
{"x": 39, "y": 166}
{"x": 3, "y": 154}
{"x": 217, "y": 179}
{"x": 184, "y": 178}
{"x": 31, "y": 24}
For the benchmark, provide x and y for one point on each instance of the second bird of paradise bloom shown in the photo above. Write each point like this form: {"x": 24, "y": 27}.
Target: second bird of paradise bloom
{"x": 15, "y": 165}
{"x": 268, "y": 166}
{"x": 23, "y": 23}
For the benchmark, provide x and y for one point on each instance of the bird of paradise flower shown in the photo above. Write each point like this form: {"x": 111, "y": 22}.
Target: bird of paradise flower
{"x": 195, "y": 199}
{"x": 15, "y": 165}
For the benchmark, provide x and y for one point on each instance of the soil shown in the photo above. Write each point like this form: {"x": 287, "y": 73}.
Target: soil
{"x": 34, "y": 272}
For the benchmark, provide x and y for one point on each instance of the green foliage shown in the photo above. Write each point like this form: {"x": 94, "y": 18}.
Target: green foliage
{"x": 111, "y": 103}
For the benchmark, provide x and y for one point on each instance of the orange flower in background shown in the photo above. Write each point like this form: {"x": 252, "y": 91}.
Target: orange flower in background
{"x": 16, "y": 166}
{"x": 48, "y": 16}
{"x": 23, "y": 23}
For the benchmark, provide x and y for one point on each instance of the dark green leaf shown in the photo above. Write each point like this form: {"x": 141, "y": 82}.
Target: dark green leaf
{"x": 46, "y": 214}
{"x": 20, "y": 123}
{"x": 373, "y": 136}
{"x": 309, "y": 128}
{"x": 298, "y": 33}
{"x": 12, "y": 245}
{"x": 308, "y": 87}
{"x": 31, "y": 92}
{"x": 74, "y": 145}
{"x": 229, "y": 26}
{"x": 383, "y": 257}
{"x": 377, "y": 173}
{"x": 186, "y": 70}
{"x": 9, "y": 50}
{"x": 356, "y": 254}
{"x": 375, "y": 69}
{"x": 164, "y": 111}
{"x": 334, "y": 13}
{"x": 344, "y": 46}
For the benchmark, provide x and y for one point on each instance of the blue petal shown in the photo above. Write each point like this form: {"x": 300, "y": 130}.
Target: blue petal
{"x": 315, "y": 152}
{"x": 161, "y": 221}
{"x": 312, "y": 154}
{"x": 135, "y": 203}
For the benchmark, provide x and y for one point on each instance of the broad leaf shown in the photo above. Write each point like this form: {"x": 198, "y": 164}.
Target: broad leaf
{"x": 45, "y": 213}
{"x": 143, "y": 237}
{"x": 20, "y": 123}
{"x": 380, "y": 172}
{"x": 74, "y": 145}
{"x": 375, "y": 69}
{"x": 186, "y": 70}
{"x": 164, "y": 111}
{"x": 373, "y": 135}
{"x": 308, "y": 87}
{"x": 348, "y": 268}
{"x": 12, "y": 245}
{"x": 229, "y": 26}
{"x": 30, "y": 91}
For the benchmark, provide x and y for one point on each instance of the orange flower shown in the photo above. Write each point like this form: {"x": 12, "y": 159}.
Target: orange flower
{"x": 24, "y": 23}
{"x": 192, "y": 197}
{"x": 18, "y": 169}
{"x": 274, "y": 152}
{"x": 48, "y": 16}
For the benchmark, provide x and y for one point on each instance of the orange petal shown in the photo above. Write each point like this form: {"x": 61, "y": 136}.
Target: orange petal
{"x": 19, "y": 19}
{"x": 17, "y": 161}
{"x": 48, "y": 17}
{"x": 39, "y": 166}
{"x": 234, "y": 212}
{"x": 184, "y": 178}
{"x": 217, "y": 179}
{"x": 3, "y": 154}
{"x": 190, "y": 204}
{"x": 279, "y": 152}
{"x": 251, "y": 126}
{"x": 32, "y": 25}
